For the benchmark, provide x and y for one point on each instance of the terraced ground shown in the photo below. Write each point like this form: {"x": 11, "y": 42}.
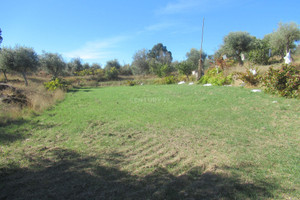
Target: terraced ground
{"x": 155, "y": 142}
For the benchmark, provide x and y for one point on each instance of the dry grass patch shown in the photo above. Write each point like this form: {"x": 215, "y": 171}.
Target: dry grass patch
{"x": 39, "y": 99}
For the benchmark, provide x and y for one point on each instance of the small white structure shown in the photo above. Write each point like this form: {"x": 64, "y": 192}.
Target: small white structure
{"x": 224, "y": 57}
{"x": 191, "y": 83}
{"x": 207, "y": 85}
{"x": 255, "y": 90}
{"x": 253, "y": 71}
{"x": 195, "y": 73}
{"x": 242, "y": 57}
{"x": 181, "y": 82}
{"x": 288, "y": 58}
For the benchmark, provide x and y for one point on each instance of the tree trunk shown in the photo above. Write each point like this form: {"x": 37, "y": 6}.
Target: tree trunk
{"x": 287, "y": 46}
{"x": 4, "y": 73}
{"x": 200, "y": 69}
{"x": 25, "y": 78}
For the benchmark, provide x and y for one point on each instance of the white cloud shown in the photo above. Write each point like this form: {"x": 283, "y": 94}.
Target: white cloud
{"x": 183, "y": 6}
{"x": 98, "y": 49}
{"x": 156, "y": 27}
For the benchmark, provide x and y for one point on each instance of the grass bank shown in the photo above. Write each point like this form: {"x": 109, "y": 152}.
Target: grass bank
{"x": 155, "y": 142}
{"x": 37, "y": 97}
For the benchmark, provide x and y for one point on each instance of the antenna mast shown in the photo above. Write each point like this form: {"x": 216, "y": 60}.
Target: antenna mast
{"x": 200, "y": 67}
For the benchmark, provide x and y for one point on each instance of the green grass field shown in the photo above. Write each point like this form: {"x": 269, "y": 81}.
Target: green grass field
{"x": 155, "y": 142}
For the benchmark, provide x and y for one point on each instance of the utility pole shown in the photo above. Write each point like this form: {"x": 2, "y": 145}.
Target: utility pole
{"x": 200, "y": 66}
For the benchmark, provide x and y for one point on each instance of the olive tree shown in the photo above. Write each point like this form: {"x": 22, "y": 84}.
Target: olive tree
{"x": 283, "y": 40}
{"x": 260, "y": 52}
{"x": 54, "y": 63}
{"x": 186, "y": 68}
{"x": 96, "y": 66}
{"x": 193, "y": 57}
{"x": 6, "y": 60}
{"x": 75, "y": 65}
{"x": 25, "y": 60}
{"x": 113, "y": 63}
{"x": 236, "y": 43}
{"x": 140, "y": 64}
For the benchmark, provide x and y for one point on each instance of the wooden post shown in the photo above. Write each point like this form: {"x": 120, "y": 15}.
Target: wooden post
{"x": 200, "y": 66}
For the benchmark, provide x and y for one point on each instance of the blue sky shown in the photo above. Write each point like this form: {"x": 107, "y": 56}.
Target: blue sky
{"x": 98, "y": 31}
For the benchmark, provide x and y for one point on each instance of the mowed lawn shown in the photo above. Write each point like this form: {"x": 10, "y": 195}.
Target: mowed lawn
{"x": 155, "y": 142}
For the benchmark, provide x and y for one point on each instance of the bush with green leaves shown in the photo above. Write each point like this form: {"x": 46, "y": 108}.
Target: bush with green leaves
{"x": 170, "y": 80}
{"x": 215, "y": 76}
{"x": 259, "y": 56}
{"x": 161, "y": 70}
{"x": 166, "y": 80}
{"x": 131, "y": 83}
{"x": 56, "y": 84}
{"x": 111, "y": 73}
{"x": 251, "y": 76}
{"x": 284, "y": 82}
{"x": 185, "y": 68}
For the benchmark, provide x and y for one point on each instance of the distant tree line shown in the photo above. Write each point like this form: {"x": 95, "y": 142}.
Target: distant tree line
{"x": 258, "y": 50}
{"x": 157, "y": 61}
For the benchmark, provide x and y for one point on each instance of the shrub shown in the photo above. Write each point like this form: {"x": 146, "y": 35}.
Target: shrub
{"x": 131, "y": 83}
{"x": 185, "y": 79}
{"x": 251, "y": 76}
{"x": 164, "y": 70}
{"x": 111, "y": 73}
{"x": 185, "y": 68}
{"x": 259, "y": 56}
{"x": 284, "y": 82}
{"x": 223, "y": 64}
{"x": 170, "y": 80}
{"x": 166, "y": 80}
{"x": 55, "y": 84}
{"x": 215, "y": 76}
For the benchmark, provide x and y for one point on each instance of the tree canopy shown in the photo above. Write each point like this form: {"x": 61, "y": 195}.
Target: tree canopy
{"x": 54, "y": 63}
{"x": 193, "y": 57}
{"x": 113, "y": 63}
{"x": 160, "y": 54}
{"x": 160, "y": 59}
{"x": 75, "y": 65}
{"x": 140, "y": 64}
{"x": 24, "y": 60}
{"x": 185, "y": 67}
{"x": 6, "y": 60}
{"x": 283, "y": 40}
{"x": 236, "y": 43}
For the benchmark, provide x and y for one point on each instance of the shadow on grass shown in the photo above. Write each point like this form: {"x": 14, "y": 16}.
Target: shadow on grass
{"x": 7, "y": 135}
{"x": 65, "y": 174}
{"x": 12, "y": 131}
{"x": 4, "y": 122}
{"x": 75, "y": 89}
